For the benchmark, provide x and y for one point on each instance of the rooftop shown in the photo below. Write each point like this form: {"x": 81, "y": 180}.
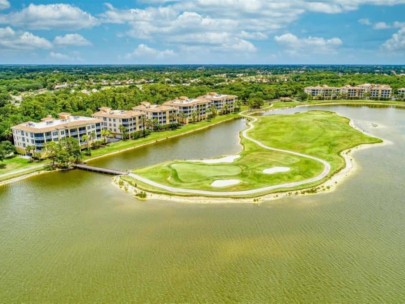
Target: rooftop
{"x": 48, "y": 123}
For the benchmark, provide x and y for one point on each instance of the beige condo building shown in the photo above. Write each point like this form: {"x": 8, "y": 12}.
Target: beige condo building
{"x": 38, "y": 134}
{"x": 116, "y": 120}
{"x": 162, "y": 115}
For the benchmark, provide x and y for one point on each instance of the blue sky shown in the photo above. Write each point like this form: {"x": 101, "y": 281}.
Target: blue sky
{"x": 202, "y": 32}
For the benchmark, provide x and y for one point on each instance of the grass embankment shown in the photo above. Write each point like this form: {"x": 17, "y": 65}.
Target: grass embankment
{"x": 17, "y": 166}
{"x": 316, "y": 133}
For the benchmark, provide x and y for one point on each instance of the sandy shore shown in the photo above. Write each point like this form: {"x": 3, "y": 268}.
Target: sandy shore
{"x": 328, "y": 186}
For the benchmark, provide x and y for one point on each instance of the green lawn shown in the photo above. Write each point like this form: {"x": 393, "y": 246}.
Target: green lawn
{"x": 317, "y": 133}
{"x": 17, "y": 166}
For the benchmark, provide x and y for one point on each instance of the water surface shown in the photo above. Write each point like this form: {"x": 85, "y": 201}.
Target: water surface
{"x": 74, "y": 237}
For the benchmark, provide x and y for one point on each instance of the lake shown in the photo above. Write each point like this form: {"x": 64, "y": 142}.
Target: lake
{"x": 75, "y": 237}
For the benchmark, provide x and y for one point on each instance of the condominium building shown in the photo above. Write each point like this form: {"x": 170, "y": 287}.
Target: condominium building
{"x": 116, "y": 120}
{"x": 190, "y": 109}
{"x": 323, "y": 91}
{"x": 198, "y": 108}
{"x": 381, "y": 92}
{"x": 158, "y": 114}
{"x": 401, "y": 92}
{"x": 37, "y": 134}
{"x": 222, "y": 102}
{"x": 373, "y": 91}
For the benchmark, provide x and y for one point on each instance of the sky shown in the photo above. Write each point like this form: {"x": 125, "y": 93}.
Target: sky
{"x": 202, "y": 32}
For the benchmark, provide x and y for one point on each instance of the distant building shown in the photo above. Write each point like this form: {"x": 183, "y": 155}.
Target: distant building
{"x": 325, "y": 92}
{"x": 373, "y": 91}
{"x": 162, "y": 115}
{"x": 116, "y": 120}
{"x": 401, "y": 93}
{"x": 222, "y": 101}
{"x": 189, "y": 109}
{"x": 37, "y": 134}
{"x": 198, "y": 108}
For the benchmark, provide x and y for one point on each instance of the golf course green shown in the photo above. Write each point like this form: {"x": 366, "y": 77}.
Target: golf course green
{"x": 307, "y": 146}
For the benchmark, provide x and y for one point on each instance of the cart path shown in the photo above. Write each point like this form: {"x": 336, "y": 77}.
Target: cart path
{"x": 251, "y": 121}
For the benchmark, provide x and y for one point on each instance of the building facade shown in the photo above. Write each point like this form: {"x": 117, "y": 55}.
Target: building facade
{"x": 324, "y": 91}
{"x": 157, "y": 115}
{"x": 373, "y": 91}
{"x": 120, "y": 121}
{"x": 401, "y": 93}
{"x": 196, "y": 109}
{"x": 37, "y": 134}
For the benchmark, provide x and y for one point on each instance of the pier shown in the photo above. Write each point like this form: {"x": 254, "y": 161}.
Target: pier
{"x": 99, "y": 170}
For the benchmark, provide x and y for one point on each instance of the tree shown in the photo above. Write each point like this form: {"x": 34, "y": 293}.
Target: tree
{"x": 124, "y": 131}
{"x": 52, "y": 150}
{"x": 30, "y": 150}
{"x": 105, "y": 134}
{"x": 255, "y": 102}
{"x": 194, "y": 116}
{"x": 7, "y": 147}
{"x": 214, "y": 111}
{"x": 86, "y": 138}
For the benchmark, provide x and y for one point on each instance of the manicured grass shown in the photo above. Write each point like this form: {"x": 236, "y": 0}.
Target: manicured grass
{"x": 17, "y": 166}
{"x": 317, "y": 133}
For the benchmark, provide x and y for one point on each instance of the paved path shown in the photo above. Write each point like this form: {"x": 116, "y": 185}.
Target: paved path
{"x": 319, "y": 177}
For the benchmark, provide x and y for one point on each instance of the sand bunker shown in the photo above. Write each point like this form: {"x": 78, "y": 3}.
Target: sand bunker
{"x": 276, "y": 170}
{"x": 226, "y": 159}
{"x": 225, "y": 183}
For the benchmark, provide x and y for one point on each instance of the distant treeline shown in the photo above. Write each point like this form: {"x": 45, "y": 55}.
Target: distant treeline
{"x": 160, "y": 83}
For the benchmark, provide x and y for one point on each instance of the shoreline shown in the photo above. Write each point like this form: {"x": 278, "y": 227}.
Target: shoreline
{"x": 329, "y": 185}
{"x": 42, "y": 171}
{"x": 159, "y": 140}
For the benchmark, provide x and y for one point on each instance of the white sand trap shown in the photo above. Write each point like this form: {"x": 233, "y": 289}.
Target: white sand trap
{"x": 226, "y": 159}
{"x": 276, "y": 170}
{"x": 225, "y": 183}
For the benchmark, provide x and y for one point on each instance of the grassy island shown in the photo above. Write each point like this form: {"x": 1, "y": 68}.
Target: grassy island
{"x": 306, "y": 146}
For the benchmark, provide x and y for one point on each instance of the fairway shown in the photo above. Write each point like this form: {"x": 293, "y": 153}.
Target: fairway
{"x": 308, "y": 145}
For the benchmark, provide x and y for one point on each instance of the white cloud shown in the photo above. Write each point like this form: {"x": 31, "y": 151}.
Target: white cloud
{"x": 10, "y": 39}
{"x": 397, "y": 42}
{"x": 143, "y": 51}
{"x": 193, "y": 22}
{"x": 50, "y": 16}
{"x": 4, "y": 4}
{"x": 381, "y": 26}
{"x": 58, "y": 57}
{"x": 365, "y": 21}
{"x": 295, "y": 44}
{"x": 71, "y": 40}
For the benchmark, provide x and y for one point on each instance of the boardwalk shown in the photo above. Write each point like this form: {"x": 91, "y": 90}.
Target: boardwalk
{"x": 99, "y": 170}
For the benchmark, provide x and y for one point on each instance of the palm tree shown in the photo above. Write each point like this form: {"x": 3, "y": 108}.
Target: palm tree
{"x": 86, "y": 138}
{"x": 149, "y": 123}
{"x": 124, "y": 132}
{"x": 105, "y": 133}
{"x": 194, "y": 116}
{"x": 29, "y": 150}
{"x": 214, "y": 111}
{"x": 156, "y": 125}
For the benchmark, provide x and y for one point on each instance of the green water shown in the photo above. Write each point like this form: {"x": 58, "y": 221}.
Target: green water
{"x": 75, "y": 238}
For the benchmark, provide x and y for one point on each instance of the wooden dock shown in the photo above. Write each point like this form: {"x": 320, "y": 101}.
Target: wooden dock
{"x": 99, "y": 170}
